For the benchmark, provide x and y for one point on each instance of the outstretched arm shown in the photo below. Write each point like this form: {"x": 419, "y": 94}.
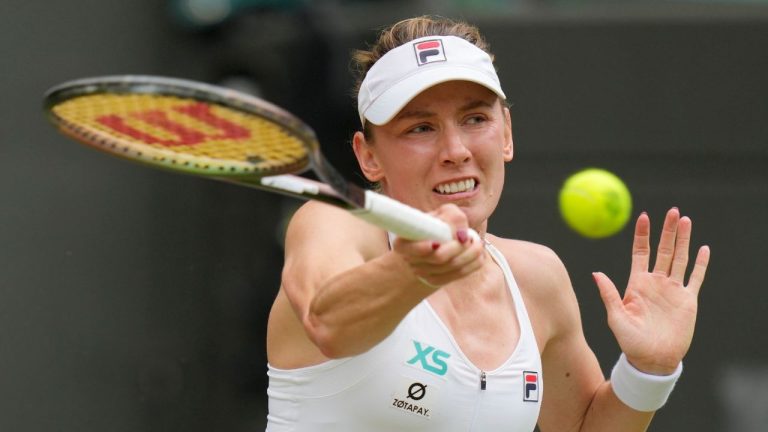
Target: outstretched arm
{"x": 653, "y": 323}
{"x": 348, "y": 290}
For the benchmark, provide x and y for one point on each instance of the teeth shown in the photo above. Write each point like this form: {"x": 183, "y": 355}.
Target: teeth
{"x": 460, "y": 186}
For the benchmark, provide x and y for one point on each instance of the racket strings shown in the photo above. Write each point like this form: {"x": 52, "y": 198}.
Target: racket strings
{"x": 184, "y": 133}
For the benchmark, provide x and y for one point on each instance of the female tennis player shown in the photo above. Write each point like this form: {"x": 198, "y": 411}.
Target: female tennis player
{"x": 375, "y": 333}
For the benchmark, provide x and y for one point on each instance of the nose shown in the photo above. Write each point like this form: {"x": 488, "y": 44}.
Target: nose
{"x": 453, "y": 148}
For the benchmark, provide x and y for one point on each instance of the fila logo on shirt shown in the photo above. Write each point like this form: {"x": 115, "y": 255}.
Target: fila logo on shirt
{"x": 431, "y": 359}
{"x": 429, "y": 52}
{"x": 530, "y": 386}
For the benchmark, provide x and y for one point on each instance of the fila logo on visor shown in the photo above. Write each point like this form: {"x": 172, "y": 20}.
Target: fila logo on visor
{"x": 429, "y": 52}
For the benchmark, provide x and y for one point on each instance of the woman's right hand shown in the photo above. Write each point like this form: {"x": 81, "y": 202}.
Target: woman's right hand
{"x": 436, "y": 264}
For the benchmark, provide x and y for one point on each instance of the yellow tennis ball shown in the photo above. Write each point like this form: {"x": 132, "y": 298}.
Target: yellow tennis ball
{"x": 595, "y": 203}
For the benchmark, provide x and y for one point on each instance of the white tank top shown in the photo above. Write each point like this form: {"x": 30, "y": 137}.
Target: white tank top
{"x": 415, "y": 379}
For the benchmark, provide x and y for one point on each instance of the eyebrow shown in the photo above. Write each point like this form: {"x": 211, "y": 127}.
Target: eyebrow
{"x": 477, "y": 103}
{"x": 480, "y": 103}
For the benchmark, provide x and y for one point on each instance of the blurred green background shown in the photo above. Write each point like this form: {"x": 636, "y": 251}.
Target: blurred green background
{"x": 135, "y": 300}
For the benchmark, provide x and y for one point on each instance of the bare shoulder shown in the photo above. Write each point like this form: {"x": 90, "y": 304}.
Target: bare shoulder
{"x": 536, "y": 267}
{"x": 321, "y": 242}
{"x": 325, "y": 226}
{"x": 315, "y": 215}
{"x": 545, "y": 285}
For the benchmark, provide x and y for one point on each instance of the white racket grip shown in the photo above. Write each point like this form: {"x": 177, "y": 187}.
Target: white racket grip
{"x": 401, "y": 219}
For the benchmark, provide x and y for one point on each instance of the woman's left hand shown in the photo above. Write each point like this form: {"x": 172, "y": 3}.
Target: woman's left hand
{"x": 654, "y": 322}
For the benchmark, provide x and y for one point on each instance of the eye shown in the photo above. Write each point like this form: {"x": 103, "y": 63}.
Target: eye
{"x": 422, "y": 128}
{"x": 475, "y": 119}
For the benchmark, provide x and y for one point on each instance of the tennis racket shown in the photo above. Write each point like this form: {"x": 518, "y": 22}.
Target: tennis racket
{"x": 209, "y": 131}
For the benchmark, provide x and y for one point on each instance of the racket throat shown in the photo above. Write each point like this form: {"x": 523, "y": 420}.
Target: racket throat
{"x": 304, "y": 188}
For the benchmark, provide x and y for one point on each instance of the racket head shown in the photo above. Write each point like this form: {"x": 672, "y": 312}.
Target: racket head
{"x": 183, "y": 126}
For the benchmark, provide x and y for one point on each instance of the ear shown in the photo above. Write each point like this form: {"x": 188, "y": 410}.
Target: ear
{"x": 508, "y": 144}
{"x": 366, "y": 158}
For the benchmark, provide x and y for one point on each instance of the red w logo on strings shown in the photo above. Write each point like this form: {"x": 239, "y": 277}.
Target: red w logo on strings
{"x": 184, "y": 134}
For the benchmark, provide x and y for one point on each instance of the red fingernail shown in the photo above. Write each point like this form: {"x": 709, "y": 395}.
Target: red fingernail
{"x": 435, "y": 245}
{"x": 462, "y": 236}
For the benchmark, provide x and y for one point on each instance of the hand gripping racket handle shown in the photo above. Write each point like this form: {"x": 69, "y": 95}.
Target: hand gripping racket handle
{"x": 401, "y": 219}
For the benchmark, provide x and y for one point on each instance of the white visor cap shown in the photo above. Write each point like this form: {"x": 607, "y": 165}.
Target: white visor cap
{"x": 404, "y": 72}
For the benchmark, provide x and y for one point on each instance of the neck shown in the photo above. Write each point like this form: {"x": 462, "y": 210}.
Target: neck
{"x": 486, "y": 285}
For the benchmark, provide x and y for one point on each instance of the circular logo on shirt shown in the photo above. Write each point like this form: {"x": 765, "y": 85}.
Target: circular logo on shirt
{"x": 417, "y": 391}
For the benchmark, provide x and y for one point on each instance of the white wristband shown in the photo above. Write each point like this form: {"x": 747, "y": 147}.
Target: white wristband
{"x": 639, "y": 390}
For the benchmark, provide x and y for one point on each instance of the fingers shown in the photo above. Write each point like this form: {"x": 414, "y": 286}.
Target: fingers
{"x": 448, "y": 213}
{"x": 672, "y": 257}
{"x": 610, "y": 295}
{"x": 699, "y": 270}
{"x": 436, "y": 263}
{"x": 456, "y": 218}
{"x": 666, "y": 250}
{"x": 449, "y": 261}
{"x": 680, "y": 259}
{"x": 641, "y": 246}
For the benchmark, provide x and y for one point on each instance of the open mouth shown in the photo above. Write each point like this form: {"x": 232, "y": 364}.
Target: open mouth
{"x": 456, "y": 187}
